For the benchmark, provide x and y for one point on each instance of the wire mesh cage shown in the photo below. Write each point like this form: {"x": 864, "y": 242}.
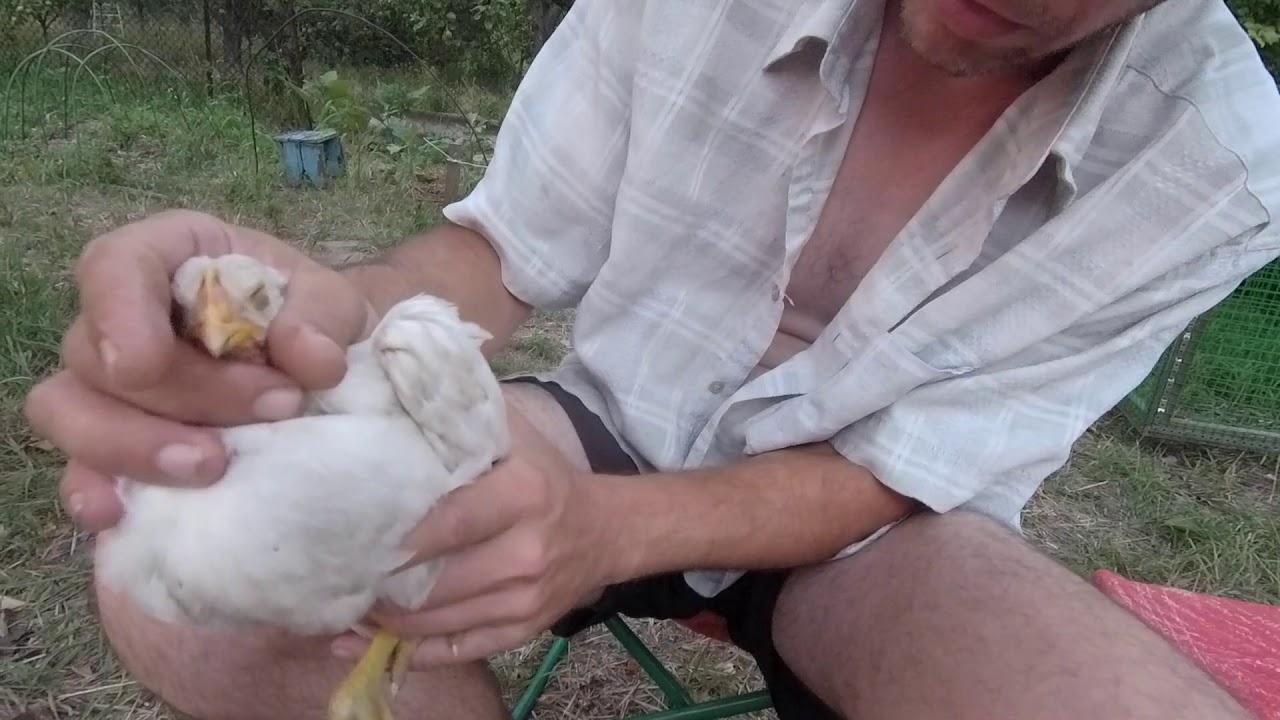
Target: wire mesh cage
{"x": 1219, "y": 383}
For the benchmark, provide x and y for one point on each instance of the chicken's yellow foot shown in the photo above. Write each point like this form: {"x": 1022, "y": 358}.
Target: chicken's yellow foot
{"x": 363, "y": 695}
{"x": 400, "y": 666}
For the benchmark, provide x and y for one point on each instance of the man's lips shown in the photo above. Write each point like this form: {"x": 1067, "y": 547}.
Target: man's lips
{"x": 975, "y": 20}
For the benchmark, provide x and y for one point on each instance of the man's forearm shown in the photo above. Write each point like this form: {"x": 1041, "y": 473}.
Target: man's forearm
{"x": 449, "y": 262}
{"x": 783, "y": 509}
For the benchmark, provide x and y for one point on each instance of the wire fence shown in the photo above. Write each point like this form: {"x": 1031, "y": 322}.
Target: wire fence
{"x": 279, "y": 59}
{"x": 203, "y": 44}
{"x": 1219, "y": 383}
{"x": 210, "y": 43}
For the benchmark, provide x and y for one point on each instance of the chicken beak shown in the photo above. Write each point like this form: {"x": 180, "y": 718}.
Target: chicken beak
{"x": 218, "y": 327}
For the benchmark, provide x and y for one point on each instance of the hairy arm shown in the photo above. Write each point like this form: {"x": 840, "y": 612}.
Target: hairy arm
{"x": 534, "y": 539}
{"x": 786, "y": 508}
{"x": 451, "y": 262}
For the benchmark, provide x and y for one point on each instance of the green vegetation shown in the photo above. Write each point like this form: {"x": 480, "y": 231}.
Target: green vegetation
{"x": 1205, "y": 520}
{"x": 1262, "y": 19}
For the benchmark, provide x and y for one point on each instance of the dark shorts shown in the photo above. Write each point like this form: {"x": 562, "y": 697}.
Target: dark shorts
{"x": 746, "y": 606}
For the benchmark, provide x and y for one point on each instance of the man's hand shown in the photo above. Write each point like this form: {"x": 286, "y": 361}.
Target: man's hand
{"x": 523, "y": 545}
{"x": 134, "y": 400}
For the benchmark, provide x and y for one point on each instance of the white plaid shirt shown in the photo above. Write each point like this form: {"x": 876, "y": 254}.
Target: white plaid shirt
{"x": 664, "y": 162}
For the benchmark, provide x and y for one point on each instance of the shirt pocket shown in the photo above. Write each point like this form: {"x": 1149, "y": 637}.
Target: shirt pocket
{"x": 879, "y": 370}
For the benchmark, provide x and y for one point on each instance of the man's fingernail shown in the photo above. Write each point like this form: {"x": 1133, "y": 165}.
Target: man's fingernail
{"x": 344, "y": 650}
{"x": 314, "y": 340}
{"x": 180, "y": 462}
{"x": 278, "y": 404}
{"x": 75, "y": 503}
{"x": 108, "y": 353}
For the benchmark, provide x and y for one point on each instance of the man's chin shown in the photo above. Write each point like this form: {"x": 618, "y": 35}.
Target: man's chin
{"x": 963, "y": 59}
{"x": 934, "y": 43}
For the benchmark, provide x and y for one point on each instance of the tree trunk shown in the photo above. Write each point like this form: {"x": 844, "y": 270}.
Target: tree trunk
{"x": 293, "y": 65}
{"x": 234, "y": 31}
{"x": 208, "y": 46}
{"x": 544, "y": 16}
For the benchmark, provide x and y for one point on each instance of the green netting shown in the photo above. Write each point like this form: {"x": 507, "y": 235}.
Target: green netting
{"x": 1219, "y": 384}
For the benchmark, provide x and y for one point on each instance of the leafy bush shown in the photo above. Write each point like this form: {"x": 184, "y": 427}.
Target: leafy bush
{"x": 1262, "y": 19}
{"x": 334, "y": 103}
{"x": 482, "y": 40}
{"x": 14, "y": 13}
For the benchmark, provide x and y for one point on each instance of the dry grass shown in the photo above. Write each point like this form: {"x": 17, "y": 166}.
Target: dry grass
{"x": 1196, "y": 519}
{"x": 597, "y": 681}
{"x": 1204, "y": 520}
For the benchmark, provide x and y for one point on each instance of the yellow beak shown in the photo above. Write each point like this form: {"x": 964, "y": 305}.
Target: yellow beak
{"x": 217, "y": 325}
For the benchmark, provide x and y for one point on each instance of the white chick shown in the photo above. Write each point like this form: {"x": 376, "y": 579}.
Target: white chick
{"x": 305, "y": 529}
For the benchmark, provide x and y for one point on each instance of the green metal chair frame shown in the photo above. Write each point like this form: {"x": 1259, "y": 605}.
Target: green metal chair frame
{"x": 679, "y": 704}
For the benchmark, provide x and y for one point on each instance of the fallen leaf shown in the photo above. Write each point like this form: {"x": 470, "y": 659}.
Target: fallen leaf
{"x": 32, "y": 714}
{"x": 11, "y": 603}
{"x": 12, "y": 632}
{"x": 1187, "y": 524}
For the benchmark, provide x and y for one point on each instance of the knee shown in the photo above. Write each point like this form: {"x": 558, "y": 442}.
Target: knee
{"x": 536, "y": 417}
{"x": 201, "y": 674}
{"x": 267, "y": 674}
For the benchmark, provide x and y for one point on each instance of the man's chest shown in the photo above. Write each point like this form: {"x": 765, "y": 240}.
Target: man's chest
{"x": 888, "y": 171}
{"x": 858, "y": 222}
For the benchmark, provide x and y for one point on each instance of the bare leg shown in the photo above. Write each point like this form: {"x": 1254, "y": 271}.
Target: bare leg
{"x": 954, "y": 617}
{"x": 545, "y": 415}
{"x": 270, "y": 676}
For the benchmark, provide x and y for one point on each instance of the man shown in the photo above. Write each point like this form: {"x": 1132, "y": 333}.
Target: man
{"x": 851, "y": 277}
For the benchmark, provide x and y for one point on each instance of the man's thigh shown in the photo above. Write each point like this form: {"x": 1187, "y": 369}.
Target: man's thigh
{"x": 546, "y": 417}
{"x": 953, "y": 616}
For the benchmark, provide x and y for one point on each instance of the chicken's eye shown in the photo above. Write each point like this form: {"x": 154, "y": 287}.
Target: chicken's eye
{"x": 258, "y": 298}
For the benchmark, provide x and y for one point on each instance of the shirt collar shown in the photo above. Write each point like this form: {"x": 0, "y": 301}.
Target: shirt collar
{"x": 831, "y": 30}
{"x": 1056, "y": 118}
{"x": 815, "y": 22}
{"x": 1089, "y": 87}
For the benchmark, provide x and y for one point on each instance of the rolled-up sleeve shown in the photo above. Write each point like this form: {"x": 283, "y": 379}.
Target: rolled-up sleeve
{"x": 546, "y": 200}
{"x": 987, "y": 439}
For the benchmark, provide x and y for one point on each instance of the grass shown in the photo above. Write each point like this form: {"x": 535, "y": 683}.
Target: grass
{"x": 1205, "y": 520}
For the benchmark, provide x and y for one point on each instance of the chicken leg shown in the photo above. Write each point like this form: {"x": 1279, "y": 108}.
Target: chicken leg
{"x": 400, "y": 666}
{"x": 365, "y": 694}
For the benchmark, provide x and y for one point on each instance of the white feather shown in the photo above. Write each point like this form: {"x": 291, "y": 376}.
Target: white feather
{"x": 306, "y": 526}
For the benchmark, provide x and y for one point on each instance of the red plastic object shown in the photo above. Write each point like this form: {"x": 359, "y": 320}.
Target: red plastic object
{"x": 709, "y": 624}
{"x": 1236, "y": 642}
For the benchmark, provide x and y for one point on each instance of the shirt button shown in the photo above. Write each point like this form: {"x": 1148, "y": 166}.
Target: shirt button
{"x": 716, "y": 387}
{"x": 776, "y": 293}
